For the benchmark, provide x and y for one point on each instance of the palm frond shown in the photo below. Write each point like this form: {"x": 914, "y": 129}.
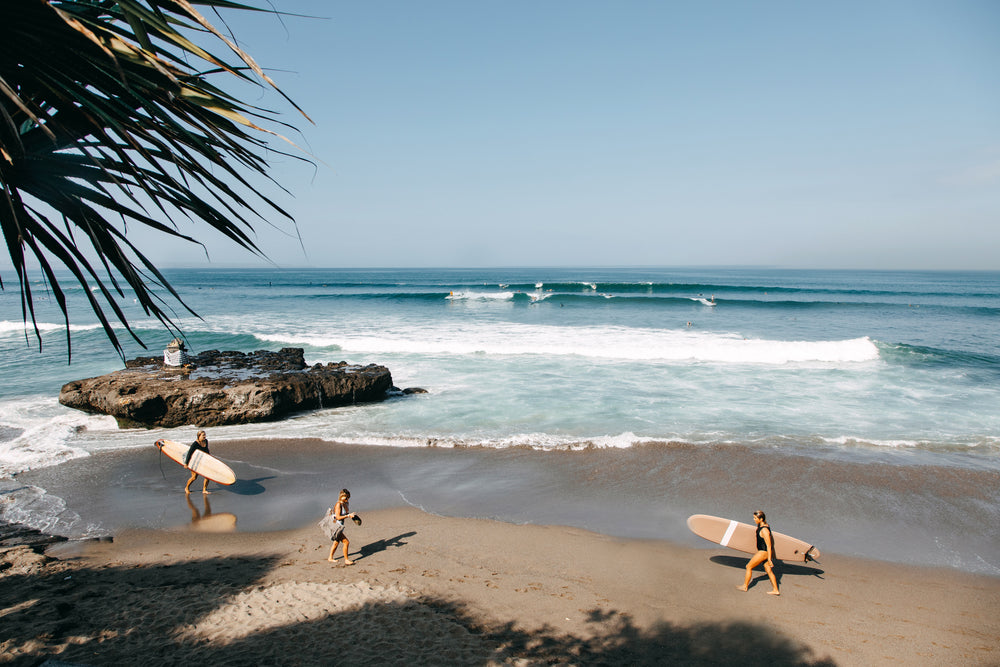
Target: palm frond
{"x": 104, "y": 114}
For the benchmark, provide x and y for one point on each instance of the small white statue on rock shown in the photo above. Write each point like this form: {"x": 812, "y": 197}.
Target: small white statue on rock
{"x": 175, "y": 354}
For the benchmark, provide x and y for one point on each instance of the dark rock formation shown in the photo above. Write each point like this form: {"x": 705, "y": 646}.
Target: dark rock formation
{"x": 22, "y": 549}
{"x": 217, "y": 388}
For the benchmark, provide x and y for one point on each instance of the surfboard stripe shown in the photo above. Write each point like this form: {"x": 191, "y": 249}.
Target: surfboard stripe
{"x": 729, "y": 533}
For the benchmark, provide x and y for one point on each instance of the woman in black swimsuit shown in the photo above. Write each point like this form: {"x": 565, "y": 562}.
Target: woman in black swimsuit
{"x": 765, "y": 554}
{"x": 201, "y": 442}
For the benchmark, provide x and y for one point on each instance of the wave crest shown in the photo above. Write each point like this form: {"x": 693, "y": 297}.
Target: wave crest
{"x": 610, "y": 343}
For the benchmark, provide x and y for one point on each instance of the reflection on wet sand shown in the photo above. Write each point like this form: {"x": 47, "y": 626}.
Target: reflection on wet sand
{"x": 207, "y": 522}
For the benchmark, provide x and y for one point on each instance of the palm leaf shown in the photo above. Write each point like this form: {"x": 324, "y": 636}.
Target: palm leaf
{"x": 106, "y": 120}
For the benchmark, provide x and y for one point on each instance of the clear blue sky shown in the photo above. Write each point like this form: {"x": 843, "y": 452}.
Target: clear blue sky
{"x": 858, "y": 134}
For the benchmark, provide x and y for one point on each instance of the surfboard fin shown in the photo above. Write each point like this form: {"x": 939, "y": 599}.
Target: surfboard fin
{"x": 808, "y": 556}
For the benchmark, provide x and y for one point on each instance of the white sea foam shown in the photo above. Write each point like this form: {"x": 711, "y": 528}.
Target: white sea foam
{"x": 857, "y": 441}
{"x": 539, "y": 441}
{"x": 609, "y": 342}
{"x": 34, "y": 507}
{"x": 480, "y": 296}
{"x": 45, "y": 428}
{"x": 18, "y": 327}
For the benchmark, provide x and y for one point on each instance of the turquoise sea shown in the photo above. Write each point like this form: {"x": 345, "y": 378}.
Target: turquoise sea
{"x": 860, "y": 409}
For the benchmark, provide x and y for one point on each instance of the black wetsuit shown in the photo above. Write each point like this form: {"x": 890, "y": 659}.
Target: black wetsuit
{"x": 197, "y": 445}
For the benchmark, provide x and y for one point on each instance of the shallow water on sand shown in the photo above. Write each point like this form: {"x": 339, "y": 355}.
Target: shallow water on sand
{"x": 902, "y": 513}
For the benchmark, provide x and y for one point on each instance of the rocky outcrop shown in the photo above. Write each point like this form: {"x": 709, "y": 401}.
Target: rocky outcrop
{"x": 216, "y": 388}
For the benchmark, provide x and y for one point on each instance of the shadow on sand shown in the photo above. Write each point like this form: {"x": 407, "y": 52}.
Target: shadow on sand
{"x": 118, "y": 614}
{"x": 378, "y": 546}
{"x": 780, "y": 567}
{"x": 248, "y": 487}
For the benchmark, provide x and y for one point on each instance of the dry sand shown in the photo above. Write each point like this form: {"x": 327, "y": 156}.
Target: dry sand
{"x": 433, "y": 590}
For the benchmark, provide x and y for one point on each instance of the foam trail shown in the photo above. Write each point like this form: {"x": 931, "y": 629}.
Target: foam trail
{"x": 19, "y": 328}
{"x": 33, "y": 507}
{"x": 609, "y": 342}
{"x": 42, "y": 436}
{"x": 538, "y": 441}
{"x": 480, "y": 296}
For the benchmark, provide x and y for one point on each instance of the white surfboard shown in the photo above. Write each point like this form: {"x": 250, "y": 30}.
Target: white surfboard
{"x": 201, "y": 462}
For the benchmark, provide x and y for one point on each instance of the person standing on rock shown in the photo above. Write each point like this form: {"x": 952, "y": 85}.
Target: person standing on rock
{"x": 201, "y": 442}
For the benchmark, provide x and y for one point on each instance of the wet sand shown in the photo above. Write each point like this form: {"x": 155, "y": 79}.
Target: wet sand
{"x": 882, "y": 507}
{"x": 432, "y": 590}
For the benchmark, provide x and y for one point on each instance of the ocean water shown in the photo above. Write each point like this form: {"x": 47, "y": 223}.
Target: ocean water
{"x": 860, "y": 409}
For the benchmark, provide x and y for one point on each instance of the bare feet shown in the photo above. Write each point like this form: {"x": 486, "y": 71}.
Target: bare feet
{"x": 743, "y": 588}
{"x": 774, "y": 592}
{"x": 348, "y": 562}
{"x": 332, "y": 560}
{"x": 207, "y": 493}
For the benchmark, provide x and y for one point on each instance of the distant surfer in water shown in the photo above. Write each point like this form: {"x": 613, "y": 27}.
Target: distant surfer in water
{"x": 201, "y": 442}
{"x": 765, "y": 554}
{"x": 341, "y": 511}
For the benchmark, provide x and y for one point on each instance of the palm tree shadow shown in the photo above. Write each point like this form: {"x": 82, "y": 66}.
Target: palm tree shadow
{"x": 616, "y": 640}
{"x": 160, "y": 614}
{"x": 46, "y": 608}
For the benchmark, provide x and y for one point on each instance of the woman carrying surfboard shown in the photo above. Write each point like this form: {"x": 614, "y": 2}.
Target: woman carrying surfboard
{"x": 201, "y": 442}
{"x": 765, "y": 554}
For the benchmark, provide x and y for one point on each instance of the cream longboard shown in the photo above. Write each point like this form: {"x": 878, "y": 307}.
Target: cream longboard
{"x": 202, "y": 463}
{"x": 743, "y": 537}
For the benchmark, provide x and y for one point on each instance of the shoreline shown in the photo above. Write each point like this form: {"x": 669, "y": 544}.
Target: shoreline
{"x": 428, "y": 589}
{"x": 913, "y": 515}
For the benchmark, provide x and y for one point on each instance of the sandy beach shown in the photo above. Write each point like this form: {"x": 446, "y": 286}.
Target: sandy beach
{"x": 432, "y": 590}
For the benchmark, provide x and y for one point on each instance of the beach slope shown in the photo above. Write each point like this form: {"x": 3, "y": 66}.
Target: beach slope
{"x": 432, "y": 590}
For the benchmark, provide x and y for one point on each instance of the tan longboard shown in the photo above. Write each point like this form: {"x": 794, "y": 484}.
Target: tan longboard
{"x": 201, "y": 462}
{"x": 743, "y": 537}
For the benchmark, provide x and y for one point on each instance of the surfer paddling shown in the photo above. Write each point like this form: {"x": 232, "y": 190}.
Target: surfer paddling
{"x": 201, "y": 442}
{"x": 765, "y": 554}
{"x": 336, "y": 518}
